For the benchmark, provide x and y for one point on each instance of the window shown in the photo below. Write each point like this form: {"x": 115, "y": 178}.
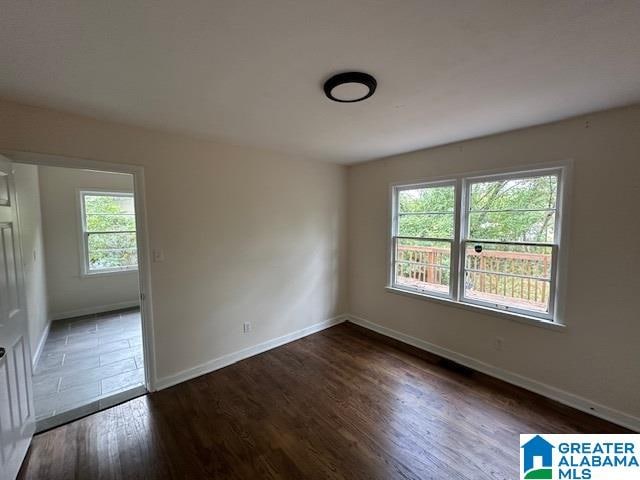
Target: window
{"x": 424, "y": 239}
{"x": 108, "y": 232}
{"x": 492, "y": 241}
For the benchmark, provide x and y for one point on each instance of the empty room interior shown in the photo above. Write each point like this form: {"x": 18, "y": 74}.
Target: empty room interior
{"x": 356, "y": 239}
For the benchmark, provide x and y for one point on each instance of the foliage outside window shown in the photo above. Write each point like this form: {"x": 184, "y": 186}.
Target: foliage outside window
{"x": 109, "y": 232}
{"x": 491, "y": 241}
{"x": 423, "y": 245}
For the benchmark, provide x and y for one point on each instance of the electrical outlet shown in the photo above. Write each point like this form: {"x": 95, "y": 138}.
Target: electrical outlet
{"x": 246, "y": 327}
{"x": 499, "y": 341}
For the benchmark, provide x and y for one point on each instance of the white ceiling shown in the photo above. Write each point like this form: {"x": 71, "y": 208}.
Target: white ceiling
{"x": 251, "y": 71}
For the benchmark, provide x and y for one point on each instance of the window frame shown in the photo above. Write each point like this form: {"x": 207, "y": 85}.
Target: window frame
{"x": 463, "y": 182}
{"x": 394, "y": 237}
{"x": 85, "y": 270}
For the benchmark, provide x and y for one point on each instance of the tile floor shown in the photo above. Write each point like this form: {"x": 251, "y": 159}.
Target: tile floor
{"x": 88, "y": 358}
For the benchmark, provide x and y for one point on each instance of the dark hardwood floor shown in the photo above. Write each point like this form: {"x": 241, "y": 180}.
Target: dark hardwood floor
{"x": 343, "y": 403}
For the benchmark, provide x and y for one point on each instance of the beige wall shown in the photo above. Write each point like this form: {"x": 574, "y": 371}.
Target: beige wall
{"x": 71, "y": 293}
{"x": 33, "y": 253}
{"x": 259, "y": 236}
{"x": 597, "y": 357}
{"x": 248, "y": 235}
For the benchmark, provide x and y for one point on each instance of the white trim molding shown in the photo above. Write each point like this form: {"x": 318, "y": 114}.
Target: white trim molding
{"x": 231, "y": 358}
{"x": 93, "y": 310}
{"x": 40, "y": 346}
{"x": 461, "y": 184}
{"x": 517, "y": 317}
{"x": 144, "y": 257}
{"x": 560, "y": 396}
{"x": 83, "y": 233}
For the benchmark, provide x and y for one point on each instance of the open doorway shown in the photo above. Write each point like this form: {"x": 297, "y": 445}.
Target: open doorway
{"x": 80, "y": 253}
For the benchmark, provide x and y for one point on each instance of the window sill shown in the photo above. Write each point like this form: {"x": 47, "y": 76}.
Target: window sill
{"x": 533, "y": 321}
{"x": 108, "y": 273}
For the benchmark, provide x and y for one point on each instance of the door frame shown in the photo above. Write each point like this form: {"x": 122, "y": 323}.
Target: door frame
{"x": 144, "y": 257}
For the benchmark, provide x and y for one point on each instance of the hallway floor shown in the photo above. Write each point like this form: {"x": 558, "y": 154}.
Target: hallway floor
{"x": 88, "y": 358}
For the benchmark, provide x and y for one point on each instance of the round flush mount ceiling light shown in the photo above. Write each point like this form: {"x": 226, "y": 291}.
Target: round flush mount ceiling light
{"x": 350, "y": 87}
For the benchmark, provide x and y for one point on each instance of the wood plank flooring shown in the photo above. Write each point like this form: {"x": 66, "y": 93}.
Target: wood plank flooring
{"x": 341, "y": 404}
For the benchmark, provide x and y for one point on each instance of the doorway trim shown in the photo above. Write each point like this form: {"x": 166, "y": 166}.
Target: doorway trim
{"x": 144, "y": 257}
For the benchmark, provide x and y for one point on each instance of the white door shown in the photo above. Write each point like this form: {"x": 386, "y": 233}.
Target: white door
{"x": 17, "y": 419}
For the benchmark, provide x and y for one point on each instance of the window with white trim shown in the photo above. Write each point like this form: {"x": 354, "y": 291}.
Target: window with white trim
{"x": 491, "y": 240}
{"x": 108, "y": 232}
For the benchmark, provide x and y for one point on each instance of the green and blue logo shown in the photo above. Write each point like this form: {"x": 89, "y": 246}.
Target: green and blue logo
{"x": 537, "y": 459}
{"x": 580, "y": 456}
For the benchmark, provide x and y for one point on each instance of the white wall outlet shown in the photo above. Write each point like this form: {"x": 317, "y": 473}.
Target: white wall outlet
{"x": 498, "y": 343}
{"x": 246, "y": 327}
{"x": 158, "y": 256}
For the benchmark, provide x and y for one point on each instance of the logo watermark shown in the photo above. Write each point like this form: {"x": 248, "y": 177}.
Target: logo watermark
{"x": 579, "y": 457}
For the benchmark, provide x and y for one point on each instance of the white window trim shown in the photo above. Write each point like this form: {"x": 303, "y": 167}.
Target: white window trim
{"x": 394, "y": 218}
{"x": 83, "y": 237}
{"x": 554, "y": 320}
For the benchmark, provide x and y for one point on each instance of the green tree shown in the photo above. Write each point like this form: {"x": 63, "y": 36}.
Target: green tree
{"x": 427, "y": 212}
{"x": 521, "y": 210}
{"x": 111, "y": 224}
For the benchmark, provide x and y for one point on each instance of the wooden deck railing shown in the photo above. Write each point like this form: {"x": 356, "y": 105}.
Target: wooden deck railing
{"x": 430, "y": 273}
{"x": 514, "y": 276}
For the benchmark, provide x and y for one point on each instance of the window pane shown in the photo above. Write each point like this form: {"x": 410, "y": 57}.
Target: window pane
{"x": 423, "y": 265}
{"x": 110, "y": 213}
{"x": 108, "y": 204}
{"x": 107, "y": 213}
{"x": 427, "y": 199}
{"x": 510, "y": 226}
{"x": 433, "y": 226}
{"x": 109, "y": 223}
{"x": 508, "y": 275}
{"x": 515, "y": 194}
{"x": 112, "y": 250}
{"x": 426, "y": 212}
{"x": 514, "y": 210}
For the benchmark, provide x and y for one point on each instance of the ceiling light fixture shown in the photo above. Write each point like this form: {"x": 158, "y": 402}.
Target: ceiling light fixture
{"x": 350, "y": 87}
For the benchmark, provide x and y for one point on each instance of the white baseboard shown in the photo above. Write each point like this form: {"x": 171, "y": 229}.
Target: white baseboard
{"x": 40, "y": 346}
{"x": 91, "y": 310}
{"x": 579, "y": 403}
{"x": 234, "y": 357}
